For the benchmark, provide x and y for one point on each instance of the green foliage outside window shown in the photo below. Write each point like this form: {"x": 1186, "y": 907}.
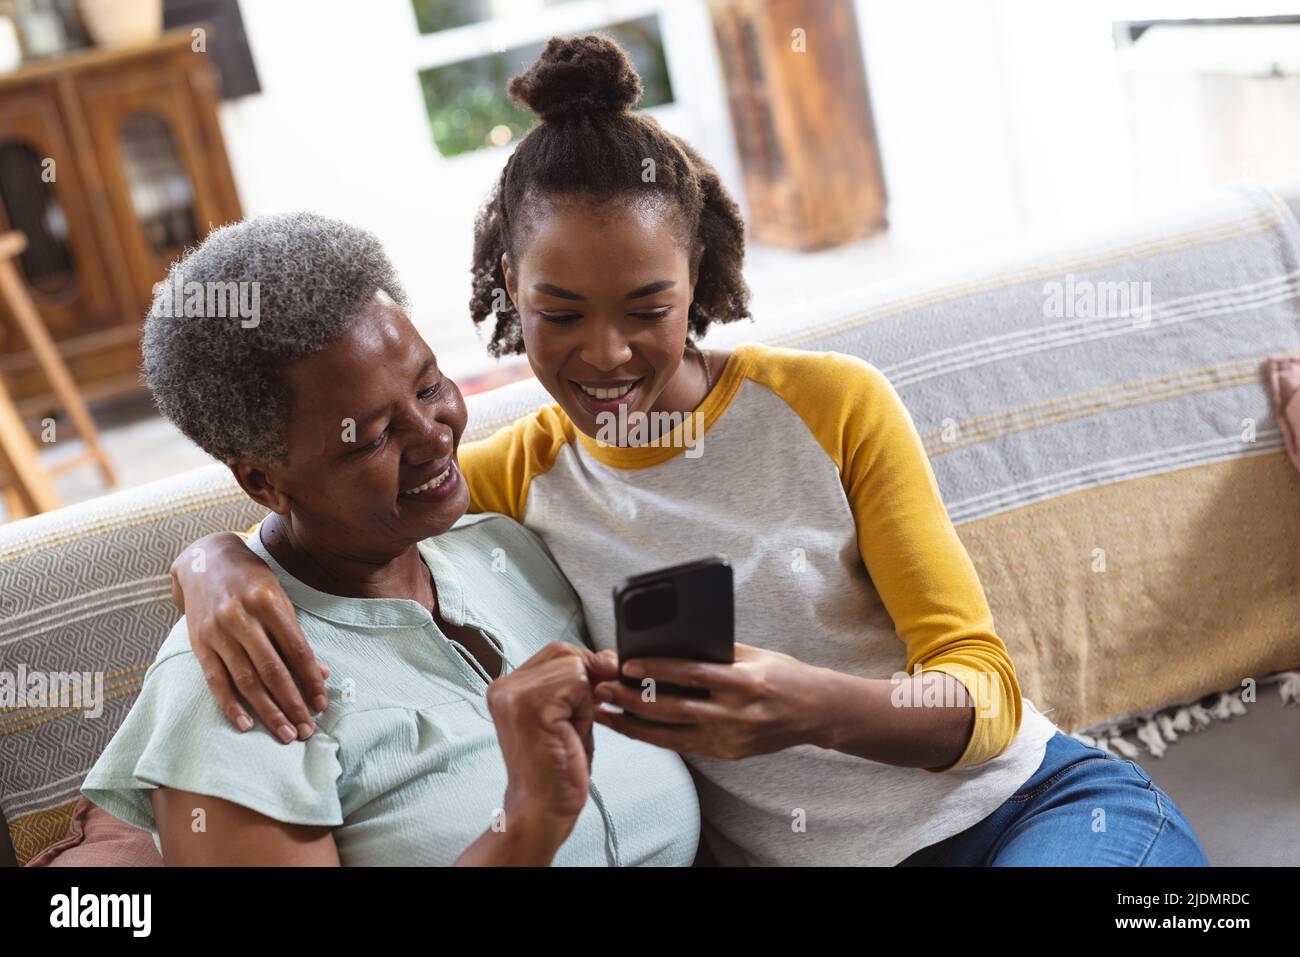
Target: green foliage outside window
{"x": 467, "y": 102}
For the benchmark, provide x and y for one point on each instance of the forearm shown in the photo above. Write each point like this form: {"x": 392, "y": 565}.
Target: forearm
{"x": 927, "y": 725}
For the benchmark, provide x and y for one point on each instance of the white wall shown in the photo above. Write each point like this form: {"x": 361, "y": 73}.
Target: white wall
{"x": 1018, "y": 118}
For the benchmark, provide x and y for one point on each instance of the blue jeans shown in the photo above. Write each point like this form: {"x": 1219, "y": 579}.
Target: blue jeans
{"x": 1082, "y": 808}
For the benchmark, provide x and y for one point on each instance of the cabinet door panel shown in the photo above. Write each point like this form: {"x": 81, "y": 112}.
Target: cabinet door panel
{"x": 142, "y": 127}
{"x": 42, "y": 194}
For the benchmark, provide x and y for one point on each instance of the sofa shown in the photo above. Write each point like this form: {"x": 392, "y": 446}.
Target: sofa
{"x": 1098, "y": 420}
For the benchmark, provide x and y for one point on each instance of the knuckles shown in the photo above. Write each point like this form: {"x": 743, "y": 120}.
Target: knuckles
{"x": 228, "y": 614}
{"x": 268, "y": 668}
{"x": 501, "y": 696}
{"x": 556, "y": 667}
{"x": 261, "y": 598}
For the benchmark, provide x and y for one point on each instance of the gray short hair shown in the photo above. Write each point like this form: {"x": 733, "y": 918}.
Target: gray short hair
{"x": 219, "y": 375}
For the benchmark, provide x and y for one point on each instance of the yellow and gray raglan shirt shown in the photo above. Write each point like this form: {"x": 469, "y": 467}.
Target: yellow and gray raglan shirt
{"x": 807, "y": 473}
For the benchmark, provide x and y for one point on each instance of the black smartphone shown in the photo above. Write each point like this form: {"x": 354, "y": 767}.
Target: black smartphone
{"x": 686, "y": 611}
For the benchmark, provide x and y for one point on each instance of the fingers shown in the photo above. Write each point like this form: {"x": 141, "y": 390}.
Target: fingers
{"x": 672, "y": 737}
{"x": 249, "y": 684}
{"x": 556, "y": 649}
{"x": 570, "y": 676}
{"x": 687, "y": 673}
{"x": 218, "y": 679}
{"x": 670, "y": 708}
{"x": 237, "y": 629}
{"x": 599, "y": 664}
{"x": 602, "y": 666}
{"x": 554, "y": 676}
{"x": 280, "y": 620}
{"x": 560, "y": 673}
{"x": 584, "y": 722}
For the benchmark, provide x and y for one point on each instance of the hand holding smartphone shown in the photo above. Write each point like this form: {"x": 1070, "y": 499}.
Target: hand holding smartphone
{"x": 686, "y": 611}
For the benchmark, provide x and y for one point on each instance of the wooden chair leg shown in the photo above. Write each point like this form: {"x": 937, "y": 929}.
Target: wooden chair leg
{"x": 15, "y": 506}
{"x": 29, "y": 491}
{"x": 47, "y": 354}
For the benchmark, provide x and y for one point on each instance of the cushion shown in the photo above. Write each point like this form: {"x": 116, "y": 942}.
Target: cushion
{"x": 87, "y": 597}
{"x": 97, "y": 839}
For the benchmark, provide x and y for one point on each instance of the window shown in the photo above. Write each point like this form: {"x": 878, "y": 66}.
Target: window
{"x": 465, "y": 97}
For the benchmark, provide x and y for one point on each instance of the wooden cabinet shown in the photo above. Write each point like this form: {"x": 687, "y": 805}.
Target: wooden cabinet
{"x": 111, "y": 162}
{"x": 55, "y": 214}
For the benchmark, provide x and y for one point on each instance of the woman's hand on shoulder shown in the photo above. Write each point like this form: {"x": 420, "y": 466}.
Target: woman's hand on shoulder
{"x": 243, "y": 630}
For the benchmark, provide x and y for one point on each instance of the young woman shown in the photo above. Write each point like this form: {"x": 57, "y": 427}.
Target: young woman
{"x": 876, "y": 710}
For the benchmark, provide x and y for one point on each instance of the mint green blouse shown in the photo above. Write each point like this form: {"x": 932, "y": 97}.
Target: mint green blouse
{"x": 404, "y": 765}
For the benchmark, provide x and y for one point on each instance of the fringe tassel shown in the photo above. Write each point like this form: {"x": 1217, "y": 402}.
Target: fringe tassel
{"x": 1289, "y": 687}
{"x": 1161, "y": 728}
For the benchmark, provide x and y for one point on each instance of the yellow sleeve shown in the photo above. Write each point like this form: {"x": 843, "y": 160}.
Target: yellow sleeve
{"x": 500, "y": 468}
{"x": 917, "y": 563}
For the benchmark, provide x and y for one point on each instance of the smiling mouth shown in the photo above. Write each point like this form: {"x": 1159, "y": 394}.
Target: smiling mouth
{"x": 607, "y": 393}
{"x": 432, "y": 483}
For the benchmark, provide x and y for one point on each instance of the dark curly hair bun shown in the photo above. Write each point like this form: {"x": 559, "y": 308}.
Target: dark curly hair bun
{"x": 578, "y": 76}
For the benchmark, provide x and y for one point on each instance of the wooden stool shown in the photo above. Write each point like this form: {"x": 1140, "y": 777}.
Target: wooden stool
{"x": 28, "y": 489}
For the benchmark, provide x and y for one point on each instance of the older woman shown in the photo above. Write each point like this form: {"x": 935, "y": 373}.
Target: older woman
{"x": 460, "y": 725}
